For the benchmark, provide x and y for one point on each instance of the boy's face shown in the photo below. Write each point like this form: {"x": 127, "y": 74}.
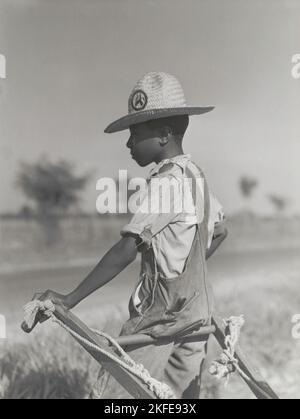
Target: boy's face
{"x": 144, "y": 144}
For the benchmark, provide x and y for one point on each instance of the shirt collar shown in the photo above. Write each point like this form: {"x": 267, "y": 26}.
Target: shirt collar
{"x": 181, "y": 160}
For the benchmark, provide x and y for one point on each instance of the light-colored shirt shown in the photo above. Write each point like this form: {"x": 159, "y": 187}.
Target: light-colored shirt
{"x": 171, "y": 233}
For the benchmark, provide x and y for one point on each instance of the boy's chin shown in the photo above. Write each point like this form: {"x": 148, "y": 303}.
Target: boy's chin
{"x": 142, "y": 163}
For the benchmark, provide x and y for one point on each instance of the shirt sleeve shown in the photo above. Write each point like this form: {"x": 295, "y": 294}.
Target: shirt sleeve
{"x": 158, "y": 208}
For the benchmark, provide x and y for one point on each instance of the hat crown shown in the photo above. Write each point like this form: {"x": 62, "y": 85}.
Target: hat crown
{"x": 156, "y": 90}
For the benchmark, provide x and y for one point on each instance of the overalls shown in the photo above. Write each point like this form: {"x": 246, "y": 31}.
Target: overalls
{"x": 169, "y": 306}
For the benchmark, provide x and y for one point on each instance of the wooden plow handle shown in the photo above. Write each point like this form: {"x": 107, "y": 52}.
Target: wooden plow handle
{"x": 38, "y": 319}
{"x": 130, "y": 382}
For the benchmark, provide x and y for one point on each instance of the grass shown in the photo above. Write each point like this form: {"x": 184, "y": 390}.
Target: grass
{"x": 37, "y": 371}
{"x": 49, "y": 364}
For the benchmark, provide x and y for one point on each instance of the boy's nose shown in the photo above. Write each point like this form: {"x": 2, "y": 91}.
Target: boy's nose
{"x": 129, "y": 142}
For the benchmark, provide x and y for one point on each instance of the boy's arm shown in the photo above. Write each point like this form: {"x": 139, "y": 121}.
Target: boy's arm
{"x": 216, "y": 227}
{"x": 115, "y": 260}
{"x": 216, "y": 242}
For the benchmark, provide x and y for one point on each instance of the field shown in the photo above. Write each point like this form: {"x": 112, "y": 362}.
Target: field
{"x": 255, "y": 274}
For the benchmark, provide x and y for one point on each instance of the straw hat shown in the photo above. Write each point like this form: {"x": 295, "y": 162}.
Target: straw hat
{"x": 156, "y": 95}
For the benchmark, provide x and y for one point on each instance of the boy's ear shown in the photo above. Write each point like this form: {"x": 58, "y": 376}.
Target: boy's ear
{"x": 166, "y": 132}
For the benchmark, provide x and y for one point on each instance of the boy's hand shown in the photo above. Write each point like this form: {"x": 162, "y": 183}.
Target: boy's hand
{"x": 56, "y": 298}
{"x": 47, "y": 295}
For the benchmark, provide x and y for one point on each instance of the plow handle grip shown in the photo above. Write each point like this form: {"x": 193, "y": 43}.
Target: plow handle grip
{"x": 39, "y": 319}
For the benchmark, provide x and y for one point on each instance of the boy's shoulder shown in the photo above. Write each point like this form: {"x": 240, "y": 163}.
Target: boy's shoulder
{"x": 166, "y": 167}
{"x": 166, "y": 170}
{"x": 181, "y": 171}
{"x": 175, "y": 167}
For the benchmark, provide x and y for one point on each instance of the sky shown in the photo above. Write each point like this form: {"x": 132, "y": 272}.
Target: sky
{"x": 71, "y": 66}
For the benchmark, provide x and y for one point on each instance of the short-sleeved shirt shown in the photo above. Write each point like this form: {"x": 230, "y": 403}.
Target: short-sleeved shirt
{"x": 171, "y": 232}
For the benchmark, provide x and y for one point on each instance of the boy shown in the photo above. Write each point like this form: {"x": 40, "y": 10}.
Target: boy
{"x": 173, "y": 292}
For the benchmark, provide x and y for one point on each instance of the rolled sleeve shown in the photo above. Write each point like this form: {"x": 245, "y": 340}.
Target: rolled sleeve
{"x": 132, "y": 228}
{"x": 142, "y": 232}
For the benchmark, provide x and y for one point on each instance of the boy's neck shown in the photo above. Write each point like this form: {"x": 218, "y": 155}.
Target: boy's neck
{"x": 169, "y": 153}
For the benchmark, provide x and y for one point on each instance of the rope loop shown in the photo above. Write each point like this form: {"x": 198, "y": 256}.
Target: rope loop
{"x": 227, "y": 363}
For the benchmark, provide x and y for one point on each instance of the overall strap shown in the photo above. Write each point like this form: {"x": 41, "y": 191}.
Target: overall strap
{"x": 202, "y": 208}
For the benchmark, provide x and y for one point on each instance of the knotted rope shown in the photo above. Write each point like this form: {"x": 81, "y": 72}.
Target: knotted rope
{"x": 227, "y": 363}
{"x": 161, "y": 390}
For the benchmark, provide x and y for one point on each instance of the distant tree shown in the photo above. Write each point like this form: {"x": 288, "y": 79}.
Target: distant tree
{"x": 247, "y": 186}
{"x": 53, "y": 188}
{"x": 279, "y": 203}
{"x": 26, "y": 212}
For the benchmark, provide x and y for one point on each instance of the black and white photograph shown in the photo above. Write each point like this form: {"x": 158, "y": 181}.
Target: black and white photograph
{"x": 149, "y": 207}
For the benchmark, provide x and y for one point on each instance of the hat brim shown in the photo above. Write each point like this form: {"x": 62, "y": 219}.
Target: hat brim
{"x": 136, "y": 118}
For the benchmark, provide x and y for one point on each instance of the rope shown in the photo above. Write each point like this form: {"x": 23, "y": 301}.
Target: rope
{"x": 161, "y": 390}
{"x": 227, "y": 363}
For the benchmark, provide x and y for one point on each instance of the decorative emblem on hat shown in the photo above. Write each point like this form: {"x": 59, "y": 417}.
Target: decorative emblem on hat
{"x": 139, "y": 100}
